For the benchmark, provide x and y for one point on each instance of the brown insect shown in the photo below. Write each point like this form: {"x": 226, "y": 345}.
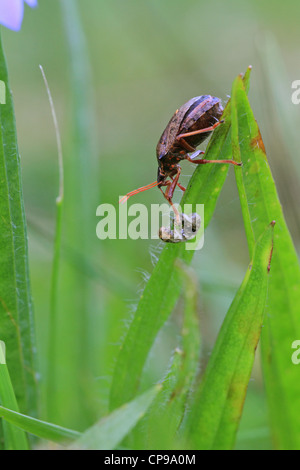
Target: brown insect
{"x": 191, "y": 124}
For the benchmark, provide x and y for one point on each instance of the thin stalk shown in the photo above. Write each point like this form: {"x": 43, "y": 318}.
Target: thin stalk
{"x": 52, "y": 352}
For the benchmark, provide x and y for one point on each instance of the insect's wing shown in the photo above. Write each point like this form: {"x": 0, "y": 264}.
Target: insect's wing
{"x": 172, "y": 130}
{"x": 203, "y": 113}
{"x": 200, "y": 109}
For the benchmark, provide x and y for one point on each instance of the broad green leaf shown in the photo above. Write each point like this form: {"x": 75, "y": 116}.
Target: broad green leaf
{"x": 260, "y": 204}
{"x": 111, "y": 430}
{"x": 48, "y": 431}
{"x": 215, "y": 414}
{"x": 16, "y": 316}
{"x": 14, "y": 438}
{"x": 163, "y": 288}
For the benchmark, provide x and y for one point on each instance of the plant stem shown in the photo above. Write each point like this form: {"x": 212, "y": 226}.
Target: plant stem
{"x": 52, "y": 350}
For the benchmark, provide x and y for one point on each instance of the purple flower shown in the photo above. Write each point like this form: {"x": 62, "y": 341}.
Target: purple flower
{"x": 11, "y": 12}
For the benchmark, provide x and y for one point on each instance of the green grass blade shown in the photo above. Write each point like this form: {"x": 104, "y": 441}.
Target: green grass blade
{"x": 111, "y": 430}
{"x": 159, "y": 427}
{"x": 48, "y": 431}
{"x": 215, "y": 414}
{"x": 51, "y": 375}
{"x": 14, "y": 438}
{"x": 16, "y": 316}
{"x": 260, "y": 204}
{"x": 77, "y": 305}
{"x": 191, "y": 342}
{"x": 106, "y": 434}
{"x": 163, "y": 288}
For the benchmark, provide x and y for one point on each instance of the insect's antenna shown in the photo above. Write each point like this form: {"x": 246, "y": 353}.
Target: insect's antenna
{"x": 139, "y": 190}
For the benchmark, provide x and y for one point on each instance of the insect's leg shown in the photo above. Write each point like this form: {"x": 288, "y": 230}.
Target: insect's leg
{"x": 196, "y": 154}
{"x": 181, "y": 187}
{"x": 168, "y": 194}
{"x": 199, "y": 131}
{"x": 185, "y": 145}
{"x": 159, "y": 187}
{"x": 203, "y": 162}
{"x": 171, "y": 188}
{"x": 177, "y": 215}
{"x": 191, "y": 158}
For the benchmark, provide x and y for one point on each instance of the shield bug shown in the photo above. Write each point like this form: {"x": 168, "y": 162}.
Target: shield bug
{"x": 191, "y": 124}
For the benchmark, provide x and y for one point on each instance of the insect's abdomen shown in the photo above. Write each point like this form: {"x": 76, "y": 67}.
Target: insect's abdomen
{"x": 205, "y": 112}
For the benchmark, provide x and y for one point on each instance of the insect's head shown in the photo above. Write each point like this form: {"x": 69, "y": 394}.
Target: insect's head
{"x": 161, "y": 176}
{"x": 160, "y": 157}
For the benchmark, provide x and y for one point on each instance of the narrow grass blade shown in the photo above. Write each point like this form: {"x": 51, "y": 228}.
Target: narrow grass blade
{"x": 51, "y": 362}
{"x": 191, "y": 341}
{"x": 14, "y": 438}
{"x": 260, "y": 204}
{"x": 163, "y": 288}
{"x": 47, "y": 431}
{"x": 160, "y": 425}
{"x": 106, "y": 434}
{"x": 16, "y": 316}
{"x": 76, "y": 342}
{"x": 110, "y": 431}
{"x": 215, "y": 414}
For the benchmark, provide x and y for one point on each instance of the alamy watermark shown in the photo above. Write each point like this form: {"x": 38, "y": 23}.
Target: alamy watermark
{"x": 2, "y": 353}
{"x": 2, "y": 92}
{"x": 296, "y": 94}
{"x": 296, "y": 354}
{"x": 137, "y": 222}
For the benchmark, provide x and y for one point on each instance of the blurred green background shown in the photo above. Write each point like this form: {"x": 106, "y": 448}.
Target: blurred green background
{"x": 146, "y": 58}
